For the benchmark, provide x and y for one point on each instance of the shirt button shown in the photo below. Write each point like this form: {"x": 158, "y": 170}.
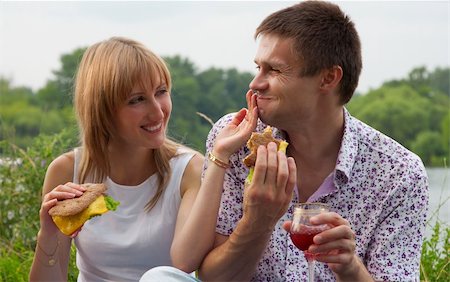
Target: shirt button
{"x": 292, "y": 268}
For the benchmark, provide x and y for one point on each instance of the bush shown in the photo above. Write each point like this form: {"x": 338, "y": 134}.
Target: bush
{"x": 435, "y": 260}
{"x": 15, "y": 261}
{"x": 21, "y": 177}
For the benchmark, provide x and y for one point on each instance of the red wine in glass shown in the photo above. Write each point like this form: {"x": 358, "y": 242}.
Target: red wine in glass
{"x": 304, "y": 238}
{"x": 302, "y": 231}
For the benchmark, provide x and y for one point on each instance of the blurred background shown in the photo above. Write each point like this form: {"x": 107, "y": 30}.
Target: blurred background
{"x": 209, "y": 47}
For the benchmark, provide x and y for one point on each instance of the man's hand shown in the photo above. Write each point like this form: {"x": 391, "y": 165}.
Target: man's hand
{"x": 336, "y": 247}
{"x": 267, "y": 198}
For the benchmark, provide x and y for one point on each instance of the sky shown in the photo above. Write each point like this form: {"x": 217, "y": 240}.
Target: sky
{"x": 396, "y": 36}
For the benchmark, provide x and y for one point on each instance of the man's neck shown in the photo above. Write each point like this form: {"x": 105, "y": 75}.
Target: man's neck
{"x": 318, "y": 141}
{"x": 315, "y": 149}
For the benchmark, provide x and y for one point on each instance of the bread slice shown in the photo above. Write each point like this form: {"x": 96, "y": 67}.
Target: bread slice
{"x": 257, "y": 139}
{"x": 76, "y": 205}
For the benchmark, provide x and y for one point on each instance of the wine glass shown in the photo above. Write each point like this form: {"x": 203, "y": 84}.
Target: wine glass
{"x": 302, "y": 231}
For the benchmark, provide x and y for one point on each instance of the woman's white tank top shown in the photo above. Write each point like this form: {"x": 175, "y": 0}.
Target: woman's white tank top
{"x": 121, "y": 245}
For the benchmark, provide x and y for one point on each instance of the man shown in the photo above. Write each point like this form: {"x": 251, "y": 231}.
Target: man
{"x": 309, "y": 61}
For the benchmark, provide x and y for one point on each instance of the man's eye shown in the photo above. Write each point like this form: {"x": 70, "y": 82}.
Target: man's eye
{"x": 258, "y": 68}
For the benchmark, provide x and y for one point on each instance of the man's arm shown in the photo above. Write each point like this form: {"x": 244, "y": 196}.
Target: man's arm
{"x": 234, "y": 257}
{"x": 265, "y": 200}
{"x": 394, "y": 252}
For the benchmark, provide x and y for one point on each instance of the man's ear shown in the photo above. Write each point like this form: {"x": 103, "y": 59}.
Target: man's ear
{"x": 331, "y": 78}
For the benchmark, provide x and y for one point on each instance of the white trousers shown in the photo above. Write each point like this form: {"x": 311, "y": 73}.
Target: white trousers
{"x": 167, "y": 274}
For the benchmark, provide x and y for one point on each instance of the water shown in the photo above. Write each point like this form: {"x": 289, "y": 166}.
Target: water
{"x": 439, "y": 179}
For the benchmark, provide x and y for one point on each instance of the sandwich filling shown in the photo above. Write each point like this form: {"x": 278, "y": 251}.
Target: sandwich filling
{"x": 70, "y": 215}
{"x": 253, "y": 143}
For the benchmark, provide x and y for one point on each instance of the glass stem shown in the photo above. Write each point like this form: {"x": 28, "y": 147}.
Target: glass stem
{"x": 311, "y": 264}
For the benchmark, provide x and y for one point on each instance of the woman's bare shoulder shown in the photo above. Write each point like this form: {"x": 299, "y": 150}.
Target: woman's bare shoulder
{"x": 192, "y": 173}
{"x": 195, "y": 165}
{"x": 63, "y": 163}
{"x": 60, "y": 171}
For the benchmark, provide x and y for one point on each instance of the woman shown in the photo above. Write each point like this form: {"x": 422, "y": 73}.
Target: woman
{"x": 123, "y": 105}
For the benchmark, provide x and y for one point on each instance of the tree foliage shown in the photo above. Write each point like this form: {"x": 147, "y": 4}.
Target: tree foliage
{"x": 212, "y": 92}
{"x": 414, "y": 110}
{"x": 37, "y": 127}
{"x": 57, "y": 93}
{"x": 21, "y": 178}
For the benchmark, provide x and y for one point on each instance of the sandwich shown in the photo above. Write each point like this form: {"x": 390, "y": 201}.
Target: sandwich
{"x": 253, "y": 143}
{"x": 69, "y": 215}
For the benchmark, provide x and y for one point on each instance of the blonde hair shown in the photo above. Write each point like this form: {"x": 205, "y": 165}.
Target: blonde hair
{"x": 106, "y": 75}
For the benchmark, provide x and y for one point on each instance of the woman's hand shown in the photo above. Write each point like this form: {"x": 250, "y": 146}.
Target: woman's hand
{"x": 61, "y": 192}
{"x": 238, "y": 131}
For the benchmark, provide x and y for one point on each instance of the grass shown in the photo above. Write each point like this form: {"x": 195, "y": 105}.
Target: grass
{"x": 15, "y": 261}
{"x": 435, "y": 259}
{"x": 20, "y": 202}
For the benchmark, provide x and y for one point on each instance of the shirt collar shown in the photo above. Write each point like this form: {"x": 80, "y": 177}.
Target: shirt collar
{"x": 348, "y": 151}
{"x": 279, "y": 134}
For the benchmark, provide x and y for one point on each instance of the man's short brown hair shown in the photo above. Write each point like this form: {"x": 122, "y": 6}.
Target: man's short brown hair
{"x": 323, "y": 37}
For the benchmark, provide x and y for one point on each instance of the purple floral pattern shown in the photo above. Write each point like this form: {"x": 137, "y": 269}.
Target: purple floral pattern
{"x": 380, "y": 187}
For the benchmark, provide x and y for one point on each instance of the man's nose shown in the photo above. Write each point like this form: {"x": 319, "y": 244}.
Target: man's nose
{"x": 258, "y": 83}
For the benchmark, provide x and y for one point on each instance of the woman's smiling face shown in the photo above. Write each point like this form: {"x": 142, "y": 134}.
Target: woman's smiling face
{"x": 142, "y": 119}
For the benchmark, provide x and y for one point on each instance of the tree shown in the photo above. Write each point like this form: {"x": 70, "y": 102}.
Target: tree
{"x": 426, "y": 82}
{"x": 9, "y": 94}
{"x": 429, "y": 147}
{"x": 58, "y": 92}
{"x": 184, "y": 122}
{"x": 399, "y": 112}
{"x": 212, "y": 93}
{"x": 439, "y": 79}
{"x": 414, "y": 111}
{"x": 445, "y": 137}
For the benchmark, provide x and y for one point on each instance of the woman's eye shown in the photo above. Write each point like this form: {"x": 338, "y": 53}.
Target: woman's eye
{"x": 161, "y": 91}
{"x": 136, "y": 100}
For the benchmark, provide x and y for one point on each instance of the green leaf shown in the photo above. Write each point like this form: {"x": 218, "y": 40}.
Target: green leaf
{"x": 111, "y": 204}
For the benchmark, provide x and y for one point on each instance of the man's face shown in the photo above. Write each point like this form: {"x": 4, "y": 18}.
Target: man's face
{"x": 284, "y": 97}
